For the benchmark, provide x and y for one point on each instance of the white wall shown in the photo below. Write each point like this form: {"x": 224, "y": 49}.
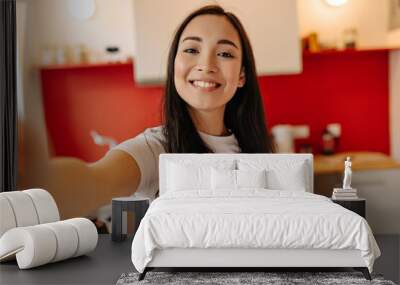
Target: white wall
{"x": 369, "y": 17}
{"x": 112, "y": 24}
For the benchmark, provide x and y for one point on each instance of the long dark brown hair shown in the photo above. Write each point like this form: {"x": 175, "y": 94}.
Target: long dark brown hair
{"x": 244, "y": 113}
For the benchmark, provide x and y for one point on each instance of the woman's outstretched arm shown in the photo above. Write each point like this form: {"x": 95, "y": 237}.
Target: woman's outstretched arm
{"x": 80, "y": 188}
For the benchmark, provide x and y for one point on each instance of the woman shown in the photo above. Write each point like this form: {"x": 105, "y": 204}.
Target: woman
{"x": 212, "y": 103}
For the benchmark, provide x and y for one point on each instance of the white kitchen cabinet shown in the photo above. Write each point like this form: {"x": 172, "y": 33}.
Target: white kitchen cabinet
{"x": 272, "y": 27}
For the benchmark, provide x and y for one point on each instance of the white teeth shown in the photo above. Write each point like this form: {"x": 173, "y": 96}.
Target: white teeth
{"x": 204, "y": 84}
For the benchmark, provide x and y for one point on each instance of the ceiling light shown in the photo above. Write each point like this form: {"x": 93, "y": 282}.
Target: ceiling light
{"x": 82, "y": 9}
{"x": 336, "y": 3}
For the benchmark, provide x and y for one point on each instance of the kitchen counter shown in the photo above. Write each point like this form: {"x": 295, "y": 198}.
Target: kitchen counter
{"x": 331, "y": 164}
{"x": 376, "y": 177}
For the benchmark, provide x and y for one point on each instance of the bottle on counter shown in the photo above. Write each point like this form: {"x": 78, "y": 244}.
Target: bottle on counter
{"x": 60, "y": 55}
{"x": 84, "y": 54}
{"x": 328, "y": 142}
{"x": 113, "y": 54}
{"x": 336, "y": 130}
{"x": 350, "y": 38}
{"x": 48, "y": 57}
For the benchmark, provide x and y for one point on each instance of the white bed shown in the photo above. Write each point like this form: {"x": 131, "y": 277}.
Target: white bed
{"x": 247, "y": 210}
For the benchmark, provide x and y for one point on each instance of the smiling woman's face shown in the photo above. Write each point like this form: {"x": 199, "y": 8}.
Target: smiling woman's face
{"x": 208, "y": 63}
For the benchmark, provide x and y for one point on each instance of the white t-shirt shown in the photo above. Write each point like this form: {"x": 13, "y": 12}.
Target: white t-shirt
{"x": 146, "y": 147}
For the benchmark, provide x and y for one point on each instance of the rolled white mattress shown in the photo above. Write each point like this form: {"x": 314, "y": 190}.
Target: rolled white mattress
{"x": 26, "y": 208}
{"x": 40, "y": 244}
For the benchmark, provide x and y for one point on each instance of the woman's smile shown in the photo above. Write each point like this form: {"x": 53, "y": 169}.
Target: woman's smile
{"x": 205, "y": 85}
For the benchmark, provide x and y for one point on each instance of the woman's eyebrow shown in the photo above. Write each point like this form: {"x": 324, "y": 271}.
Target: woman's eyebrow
{"x": 227, "y": 42}
{"x": 222, "y": 41}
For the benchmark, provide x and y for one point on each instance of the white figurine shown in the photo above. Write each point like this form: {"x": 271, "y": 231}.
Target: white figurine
{"x": 347, "y": 174}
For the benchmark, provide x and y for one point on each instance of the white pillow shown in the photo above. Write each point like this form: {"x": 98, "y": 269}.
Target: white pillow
{"x": 184, "y": 175}
{"x": 293, "y": 179}
{"x": 223, "y": 179}
{"x": 251, "y": 178}
{"x": 181, "y": 177}
{"x": 285, "y": 174}
{"x": 237, "y": 179}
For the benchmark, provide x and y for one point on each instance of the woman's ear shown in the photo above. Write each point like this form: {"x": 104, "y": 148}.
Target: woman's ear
{"x": 242, "y": 78}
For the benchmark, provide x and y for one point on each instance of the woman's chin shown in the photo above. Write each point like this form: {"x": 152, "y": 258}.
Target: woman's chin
{"x": 204, "y": 107}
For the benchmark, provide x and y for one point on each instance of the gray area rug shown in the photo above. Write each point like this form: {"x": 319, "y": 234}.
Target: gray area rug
{"x": 269, "y": 278}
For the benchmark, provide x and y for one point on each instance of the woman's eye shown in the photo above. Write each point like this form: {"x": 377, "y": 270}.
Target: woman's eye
{"x": 190, "y": 50}
{"x": 226, "y": 54}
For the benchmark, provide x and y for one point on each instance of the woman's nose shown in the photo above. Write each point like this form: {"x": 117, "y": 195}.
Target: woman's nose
{"x": 206, "y": 64}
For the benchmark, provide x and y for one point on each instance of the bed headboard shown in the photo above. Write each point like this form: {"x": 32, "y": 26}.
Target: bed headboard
{"x": 271, "y": 158}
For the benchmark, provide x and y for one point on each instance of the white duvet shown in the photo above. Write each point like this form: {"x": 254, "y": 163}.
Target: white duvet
{"x": 251, "y": 218}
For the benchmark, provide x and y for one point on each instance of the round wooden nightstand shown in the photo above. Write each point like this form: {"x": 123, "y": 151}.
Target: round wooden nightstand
{"x": 137, "y": 205}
